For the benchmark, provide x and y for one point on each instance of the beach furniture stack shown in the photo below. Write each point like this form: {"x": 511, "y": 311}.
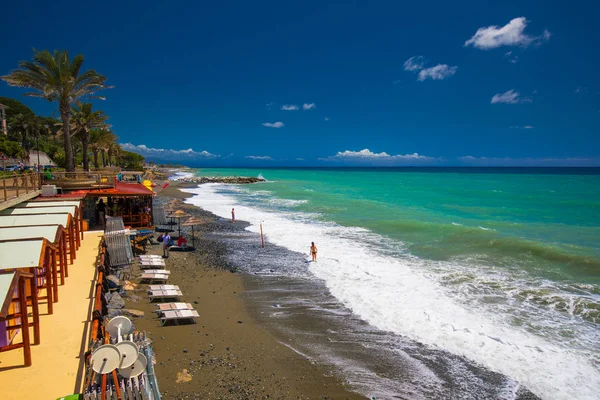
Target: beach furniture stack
{"x": 117, "y": 242}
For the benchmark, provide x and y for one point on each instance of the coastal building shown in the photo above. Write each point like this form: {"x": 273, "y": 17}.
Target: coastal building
{"x": 3, "y": 124}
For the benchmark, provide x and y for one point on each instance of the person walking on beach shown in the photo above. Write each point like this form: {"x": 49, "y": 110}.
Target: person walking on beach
{"x": 233, "y": 215}
{"x": 313, "y": 251}
{"x": 166, "y": 241}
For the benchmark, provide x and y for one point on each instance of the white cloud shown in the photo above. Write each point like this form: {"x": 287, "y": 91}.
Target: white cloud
{"x": 259, "y": 157}
{"x": 511, "y": 34}
{"x": 299, "y": 159}
{"x": 439, "y": 72}
{"x": 529, "y": 161}
{"x": 510, "y": 97}
{"x": 513, "y": 59}
{"x": 307, "y": 106}
{"x": 581, "y": 89}
{"x": 269, "y": 105}
{"x": 367, "y": 155}
{"x": 289, "y": 107}
{"x": 277, "y": 124}
{"x": 326, "y": 118}
{"x": 149, "y": 151}
{"x": 521, "y": 127}
{"x": 415, "y": 63}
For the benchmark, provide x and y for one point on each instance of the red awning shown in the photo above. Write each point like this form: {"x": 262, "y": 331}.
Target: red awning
{"x": 123, "y": 189}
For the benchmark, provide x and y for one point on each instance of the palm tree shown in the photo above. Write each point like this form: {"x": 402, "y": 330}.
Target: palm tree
{"x": 84, "y": 120}
{"x": 19, "y": 128}
{"x": 100, "y": 139}
{"x": 114, "y": 150}
{"x": 54, "y": 77}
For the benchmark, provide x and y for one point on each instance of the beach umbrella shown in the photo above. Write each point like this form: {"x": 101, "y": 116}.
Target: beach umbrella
{"x": 179, "y": 214}
{"x": 193, "y": 222}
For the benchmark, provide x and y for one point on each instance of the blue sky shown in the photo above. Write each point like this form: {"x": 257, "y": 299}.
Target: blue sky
{"x": 330, "y": 83}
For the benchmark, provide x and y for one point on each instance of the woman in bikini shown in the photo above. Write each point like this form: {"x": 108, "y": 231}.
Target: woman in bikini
{"x": 313, "y": 251}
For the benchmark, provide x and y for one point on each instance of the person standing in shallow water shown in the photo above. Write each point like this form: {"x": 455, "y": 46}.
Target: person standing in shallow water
{"x": 313, "y": 251}
{"x": 233, "y": 215}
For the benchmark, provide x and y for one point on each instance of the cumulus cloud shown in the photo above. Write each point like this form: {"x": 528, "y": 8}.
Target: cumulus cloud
{"x": 439, "y": 72}
{"x": 164, "y": 153}
{"x": 367, "y": 156}
{"x": 510, "y": 97}
{"x": 415, "y": 63}
{"x": 277, "y": 124}
{"x": 308, "y": 106}
{"x": 289, "y": 107}
{"x": 259, "y": 157}
{"x": 512, "y": 58}
{"x": 529, "y": 161}
{"x": 511, "y": 34}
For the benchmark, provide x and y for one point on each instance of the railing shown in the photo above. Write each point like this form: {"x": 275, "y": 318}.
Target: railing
{"x": 19, "y": 184}
{"x": 78, "y": 180}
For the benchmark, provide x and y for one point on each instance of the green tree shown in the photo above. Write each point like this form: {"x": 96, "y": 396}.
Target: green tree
{"x": 15, "y": 107}
{"x": 100, "y": 140}
{"x": 11, "y": 148}
{"x": 56, "y": 78}
{"x": 131, "y": 161}
{"x": 19, "y": 127}
{"x": 83, "y": 122}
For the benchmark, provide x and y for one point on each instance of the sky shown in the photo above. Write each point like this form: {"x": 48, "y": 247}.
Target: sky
{"x": 313, "y": 83}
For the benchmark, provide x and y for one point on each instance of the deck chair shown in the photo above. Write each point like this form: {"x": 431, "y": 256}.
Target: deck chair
{"x": 173, "y": 307}
{"x": 163, "y": 287}
{"x": 152, "y": 263}
{"x": 177, "y": 315}
{"x": 149, "y": 256}
{"x": 155, "y": 277}
{"x": 165, "y": 294}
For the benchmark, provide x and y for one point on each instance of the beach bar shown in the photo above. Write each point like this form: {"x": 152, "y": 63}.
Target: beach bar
{"x": 13, "y": 312}
{"x": 131, "y": 201}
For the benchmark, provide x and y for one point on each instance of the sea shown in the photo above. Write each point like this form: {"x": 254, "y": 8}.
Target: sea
{"x": 463, "y": 283}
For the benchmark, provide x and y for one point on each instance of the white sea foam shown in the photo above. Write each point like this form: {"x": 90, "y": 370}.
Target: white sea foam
{"x": 399, "y": 294}
{"x": 181, "y": 175}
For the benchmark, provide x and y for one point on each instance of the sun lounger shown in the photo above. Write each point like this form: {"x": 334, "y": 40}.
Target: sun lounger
{"x": 163, "y": 287}
{"x": 174, "y": 306}
{"x": 151, "y": 264}
{"x": 149, "y": 256}
{"x": 155, "y": 277}
{"x": 176, "y": 315}
{"x": 157, "y": 271}
{"x": 165, "y": 294}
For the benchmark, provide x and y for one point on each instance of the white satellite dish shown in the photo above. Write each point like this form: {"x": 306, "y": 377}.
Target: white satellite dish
{"x": 129, "y": 353}
{"x": 136, "y": 369}
{"x": 119, "y": 326}
{"x": 105, "y": 359}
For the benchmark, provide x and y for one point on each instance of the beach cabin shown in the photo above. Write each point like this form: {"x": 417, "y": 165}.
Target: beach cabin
{"x": 64, "y": 219}
{"x": 37, "y": 256}
{"x": 53, "y": 233}
{"x": 14, "y": 321}
{"x": 72, "y": 210}
{"x": 42, "y": 202}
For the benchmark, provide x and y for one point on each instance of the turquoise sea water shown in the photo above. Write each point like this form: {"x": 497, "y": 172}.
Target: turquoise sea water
{"x": 548, "y": 225}
{"x": 499, "y": 266}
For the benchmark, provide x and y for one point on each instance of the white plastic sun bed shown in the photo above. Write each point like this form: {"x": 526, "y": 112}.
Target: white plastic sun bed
{"x": 174, "y": 307}
{"x": 149, "y": 257}
{"x": 165, "y": 294}
{"x": 155, "y": 277}
{"x": 152, "y": 261}
{"x": 163, "y": 287}
{"x": 157, "y": 271}
{"x": 176, "y": 315}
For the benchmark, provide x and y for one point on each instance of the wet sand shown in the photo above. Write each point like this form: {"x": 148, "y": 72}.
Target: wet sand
{"x": 226, "y": 354}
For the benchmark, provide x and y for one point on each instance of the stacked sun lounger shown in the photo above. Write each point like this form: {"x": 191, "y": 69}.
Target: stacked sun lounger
{"x": 155, "y": 277}
{"x": 176, "y": 315}
{"x": 165, "y": 294}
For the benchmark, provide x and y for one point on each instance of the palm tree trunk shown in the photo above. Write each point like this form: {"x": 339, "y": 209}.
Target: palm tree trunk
{"x": 103, "y": 158}
{"x": 65, "y": 114}
{"x": 95, "y": 158}
{"x": 86, "y": 155}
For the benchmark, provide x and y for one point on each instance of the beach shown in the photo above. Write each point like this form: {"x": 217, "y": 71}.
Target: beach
{"x": 227, "y": 354}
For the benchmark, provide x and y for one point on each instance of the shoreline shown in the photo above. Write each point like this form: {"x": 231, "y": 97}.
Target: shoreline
{"x": 228, "y": 353}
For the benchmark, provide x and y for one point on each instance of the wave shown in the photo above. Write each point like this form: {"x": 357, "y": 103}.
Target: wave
{"x": 466, "y": 308}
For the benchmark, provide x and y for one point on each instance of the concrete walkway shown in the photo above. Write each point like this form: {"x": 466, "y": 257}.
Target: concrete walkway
{"x": 64, "y": 335}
